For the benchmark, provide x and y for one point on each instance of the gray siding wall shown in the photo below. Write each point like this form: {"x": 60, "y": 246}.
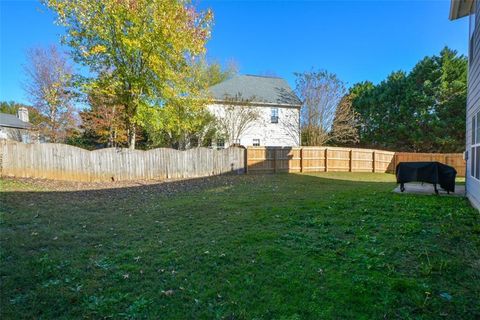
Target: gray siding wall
{"x": 473, "y": 104}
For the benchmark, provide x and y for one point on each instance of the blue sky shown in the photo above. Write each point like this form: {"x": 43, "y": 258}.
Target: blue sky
{"x": 358, "y": 40}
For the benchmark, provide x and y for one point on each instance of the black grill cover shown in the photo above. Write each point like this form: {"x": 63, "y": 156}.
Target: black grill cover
{"x": 430, "y": 172}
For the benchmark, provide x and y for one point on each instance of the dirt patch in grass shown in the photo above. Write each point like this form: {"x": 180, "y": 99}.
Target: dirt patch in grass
{"x": 164, "y": 186}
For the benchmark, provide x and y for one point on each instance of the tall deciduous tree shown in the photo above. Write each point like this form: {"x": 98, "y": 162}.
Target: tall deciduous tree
{"x": 188, "y": 123}
{"x": 320, "y": 92}
{"x": 344, "y": 128}
{"x": 49, "y": 87}
{"x": 146, "y": 45}
{"x": 209, "y": 74}
{"x": 180, "y": 126}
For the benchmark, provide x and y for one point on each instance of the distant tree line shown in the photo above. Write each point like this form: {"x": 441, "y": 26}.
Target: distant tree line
{"x": 423, "y": 110}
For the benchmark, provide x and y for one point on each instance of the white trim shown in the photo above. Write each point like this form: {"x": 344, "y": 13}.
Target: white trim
{"x": 268, "y": 104}
{"x": 475, "y": 126}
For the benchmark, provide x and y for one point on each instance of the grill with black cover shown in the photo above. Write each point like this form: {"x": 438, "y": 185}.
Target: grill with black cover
{"x": 429, "y": 172}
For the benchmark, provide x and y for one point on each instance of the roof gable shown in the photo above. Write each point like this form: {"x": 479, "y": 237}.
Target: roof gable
{"x": 10, "y": 120}
{"x": 249, "y": 88}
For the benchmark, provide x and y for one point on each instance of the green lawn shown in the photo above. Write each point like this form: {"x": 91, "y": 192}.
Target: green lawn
{"x": 324, "y": 246}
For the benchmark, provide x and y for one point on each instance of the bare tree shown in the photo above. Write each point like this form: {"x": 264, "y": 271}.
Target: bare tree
{"x": 320, "y": 93}
{"x": 235, "y": 118}
{"x": 344, "y": 128}
{"x": 48, "y": 85}
{"x": 291, "y": 125}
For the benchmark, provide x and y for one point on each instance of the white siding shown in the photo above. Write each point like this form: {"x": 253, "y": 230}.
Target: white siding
{"x": 473, "y": 106}
{"x": 285, "y": 133}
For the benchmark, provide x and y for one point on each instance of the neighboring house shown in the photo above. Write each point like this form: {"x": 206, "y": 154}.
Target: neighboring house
{"x": 459, "y": 9}
{"x": 17, "y": 127}
{"x": 270, "y": 99}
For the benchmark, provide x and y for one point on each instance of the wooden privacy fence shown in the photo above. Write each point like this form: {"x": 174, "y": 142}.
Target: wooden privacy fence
{"x": 317, "y": 159}
{"x": 64, "y": 162}
{"x": 452, "y": 159}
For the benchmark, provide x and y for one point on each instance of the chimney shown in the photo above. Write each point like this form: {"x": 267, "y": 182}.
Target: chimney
{"x": 22, "y": 114}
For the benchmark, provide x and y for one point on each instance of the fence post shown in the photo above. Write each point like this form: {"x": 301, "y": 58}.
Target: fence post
{"x": 246, "y": 160}
{"x": 351, "y": 160}
{"x": 274, "y": 160}
{"x": 3, "y": 144}
{"x": 326, "y": 160}
{"x": 394, "y": 162}
{"x": 373, "y": 161}
{"x": 301, "y": 159}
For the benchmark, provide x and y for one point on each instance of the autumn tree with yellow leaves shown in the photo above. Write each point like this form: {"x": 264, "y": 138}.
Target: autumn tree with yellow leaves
{"x": 146, "y": 46}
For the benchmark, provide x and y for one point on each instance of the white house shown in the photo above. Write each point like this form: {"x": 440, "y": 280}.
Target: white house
{"x": 256, "y": 111}
{"x": 459, "y": 9}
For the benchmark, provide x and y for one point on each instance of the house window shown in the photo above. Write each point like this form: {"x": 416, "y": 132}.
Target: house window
{"x": 274, "y": 115}
{"x": 256, "y": 142}
{"x": 236, "y": 142}
{"x": 475, "y": 148}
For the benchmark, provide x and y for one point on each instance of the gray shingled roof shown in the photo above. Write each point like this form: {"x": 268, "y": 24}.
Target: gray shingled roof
{"x": 10, "y": 120}
{"x": 255, "y": 89}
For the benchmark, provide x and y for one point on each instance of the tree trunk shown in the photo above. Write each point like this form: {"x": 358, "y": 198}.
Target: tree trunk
{"x": 132, "y": 135}
{"x": 53, "y": 133}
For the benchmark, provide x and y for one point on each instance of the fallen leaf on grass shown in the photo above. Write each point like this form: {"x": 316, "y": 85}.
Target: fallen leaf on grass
{"x": 168, "y": 292}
